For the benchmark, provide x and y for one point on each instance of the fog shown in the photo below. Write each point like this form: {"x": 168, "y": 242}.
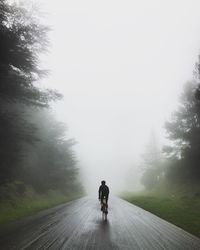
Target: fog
{"x": 120, "y": 66}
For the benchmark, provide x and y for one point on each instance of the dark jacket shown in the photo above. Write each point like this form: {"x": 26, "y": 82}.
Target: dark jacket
{"x": 103, "y": 191}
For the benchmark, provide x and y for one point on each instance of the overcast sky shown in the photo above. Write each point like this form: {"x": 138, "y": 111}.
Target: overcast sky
{"x": 121, "y": 66}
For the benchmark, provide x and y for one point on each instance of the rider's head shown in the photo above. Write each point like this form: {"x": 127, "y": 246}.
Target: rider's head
{"x": 103, "y": 182}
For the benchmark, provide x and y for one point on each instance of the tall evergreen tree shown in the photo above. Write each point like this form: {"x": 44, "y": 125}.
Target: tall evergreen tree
{"x": 50, "y": 163}
{"x": 184, "y": 131}
{"x": 152, "y": 164}
{"x": 22, "y": 38}
{"x": 33, "y": 147}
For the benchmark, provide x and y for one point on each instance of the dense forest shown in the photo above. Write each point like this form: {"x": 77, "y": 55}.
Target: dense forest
{"x": 178, "y": 162}
{"x": 35, "y": 152}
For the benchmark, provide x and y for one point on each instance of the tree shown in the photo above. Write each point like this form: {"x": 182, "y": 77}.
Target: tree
{"x": 152, "y": 164}
{"x": 33, "y": 147}
{"x": 14, "y": 131}
{"x": 184, "y": 131}
{"x": 50, "y": 163}
{"x": 22, "y": 39}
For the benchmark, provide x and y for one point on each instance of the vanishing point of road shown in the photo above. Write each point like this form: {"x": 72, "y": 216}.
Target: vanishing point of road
{"x": 79, "y": 225}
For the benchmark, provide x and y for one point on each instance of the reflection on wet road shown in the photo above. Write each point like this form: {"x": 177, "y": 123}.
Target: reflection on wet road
{"x": 79, "y": 225}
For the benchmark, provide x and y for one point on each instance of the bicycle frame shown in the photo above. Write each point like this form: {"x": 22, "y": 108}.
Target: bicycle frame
{"x": 104, "y": 209}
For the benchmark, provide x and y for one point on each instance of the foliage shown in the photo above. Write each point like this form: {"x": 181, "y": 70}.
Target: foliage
{"x": 30, "y": 203}
{"x": 14, "y": 131}
{"x": 152, "y": 165}
{"x": 50, "y": 162}
{"x": 22, "y": 39}
{"x": 184, "y": 130}
{"x": 33, "y": 147}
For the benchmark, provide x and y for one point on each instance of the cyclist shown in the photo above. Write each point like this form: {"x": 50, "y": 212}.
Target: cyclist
{"x": 103, "y": 193}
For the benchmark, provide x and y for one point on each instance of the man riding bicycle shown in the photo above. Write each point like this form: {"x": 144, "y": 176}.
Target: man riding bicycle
{"x": 103, "y": 193}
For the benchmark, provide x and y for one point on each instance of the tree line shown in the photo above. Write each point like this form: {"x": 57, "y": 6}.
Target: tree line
{"x": 34, "y": 148}
{"x": 177, "y": 163}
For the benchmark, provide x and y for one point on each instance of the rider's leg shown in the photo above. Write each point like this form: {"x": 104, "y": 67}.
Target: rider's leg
{"x": 101, "y": 203}
{"x": 107, "y": 202}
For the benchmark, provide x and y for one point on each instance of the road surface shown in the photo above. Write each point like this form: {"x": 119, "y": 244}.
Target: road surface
{"x": 79, "y": 225}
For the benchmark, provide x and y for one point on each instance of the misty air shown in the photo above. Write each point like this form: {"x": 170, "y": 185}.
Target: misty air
{"x": 99, "y": 124}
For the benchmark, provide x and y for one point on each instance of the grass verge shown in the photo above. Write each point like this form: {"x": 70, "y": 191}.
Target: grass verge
{"x": 13, "y": 210}
{"x": 183, "y": 211}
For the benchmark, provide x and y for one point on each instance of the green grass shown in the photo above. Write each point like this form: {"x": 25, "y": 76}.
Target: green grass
{"x": 16, "y": 209}
{"x": 181, "y": 210}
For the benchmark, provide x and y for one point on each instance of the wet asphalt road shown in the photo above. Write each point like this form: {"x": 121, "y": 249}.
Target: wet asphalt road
{"x": 79, "y": 225}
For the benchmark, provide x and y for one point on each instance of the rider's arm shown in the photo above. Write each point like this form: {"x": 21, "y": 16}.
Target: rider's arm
{"x": 99, "y": 192}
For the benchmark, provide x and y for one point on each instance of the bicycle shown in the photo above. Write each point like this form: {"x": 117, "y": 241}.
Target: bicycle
{"x": 104, "y": 209}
